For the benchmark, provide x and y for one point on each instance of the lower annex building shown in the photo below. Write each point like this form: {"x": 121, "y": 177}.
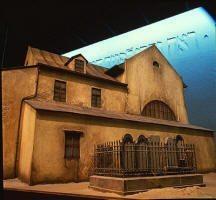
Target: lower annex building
{"x": 55, "y": 109}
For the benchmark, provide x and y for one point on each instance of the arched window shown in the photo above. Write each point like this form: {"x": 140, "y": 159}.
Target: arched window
{"x": 156, "y": 64}
{"x": 158, "y": 109}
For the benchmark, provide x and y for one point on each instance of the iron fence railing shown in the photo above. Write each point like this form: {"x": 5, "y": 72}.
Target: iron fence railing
{"x": 145, "y": 159}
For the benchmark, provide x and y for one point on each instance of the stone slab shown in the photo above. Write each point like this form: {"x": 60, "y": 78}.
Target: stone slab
{"x": 132, "y": 185}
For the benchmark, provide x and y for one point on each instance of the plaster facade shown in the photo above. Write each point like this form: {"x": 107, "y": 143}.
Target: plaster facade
{"x": 17, "y": 84}
{"x": 147, "y": 82}
{"x": 79, "y": 91}
{"x": 48, "y": 163}
{"x": 34, "y": 137}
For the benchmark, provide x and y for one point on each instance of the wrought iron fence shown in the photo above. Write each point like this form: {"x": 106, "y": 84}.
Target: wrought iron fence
{"x": 125, "y": 159}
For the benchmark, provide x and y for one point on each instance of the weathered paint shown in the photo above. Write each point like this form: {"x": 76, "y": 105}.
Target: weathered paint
{"x": 79, "y": 91}
{"x": 44, "y": 161}
{"x": 147, "y": 82}
{"x": 48, "y": 157}
{"x": 16, "y": 84}
{"x": 27, "y": 132}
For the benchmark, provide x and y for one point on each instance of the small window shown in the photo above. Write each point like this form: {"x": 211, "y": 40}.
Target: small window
{"x": 156, "y": 64}
{"x": 60, "y": 91}
{"x": 79, "y": 65}
{"x": 96, "y": 97}
{"x": 72, "y": 145}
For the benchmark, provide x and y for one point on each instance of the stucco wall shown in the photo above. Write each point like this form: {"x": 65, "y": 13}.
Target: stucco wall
{"x": 48, "y": 159}
{"x": 27, "y": 131}
{"x": 78, "y": 91}
{"x": 16, "y": 84}
{"x": 147, "y": 82}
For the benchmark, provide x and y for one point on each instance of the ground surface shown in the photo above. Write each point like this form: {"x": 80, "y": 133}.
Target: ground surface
{"x": 82, "y": 188}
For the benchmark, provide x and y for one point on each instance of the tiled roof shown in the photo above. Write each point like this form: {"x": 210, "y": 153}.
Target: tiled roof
{"x": 62, "y": 107}
{"x": 55, "y": 60}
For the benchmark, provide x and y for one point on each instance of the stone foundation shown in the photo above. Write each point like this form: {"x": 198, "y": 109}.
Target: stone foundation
{"x": 125, "y": 186}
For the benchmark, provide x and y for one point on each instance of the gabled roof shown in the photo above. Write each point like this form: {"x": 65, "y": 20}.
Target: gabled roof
{"x": 75, "y": 56}
{"x": 35, "y": 56}
{"x": 66, "y": 108}
{"x": 154, "y": 48}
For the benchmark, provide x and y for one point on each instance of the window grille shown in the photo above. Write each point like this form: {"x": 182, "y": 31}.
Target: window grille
{"x": 96, "y": 97}
{"x": 60, "y": 91}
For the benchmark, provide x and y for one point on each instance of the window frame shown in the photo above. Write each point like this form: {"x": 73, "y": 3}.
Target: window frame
{"x": 96, "y": 97}
{"x": 156, "y": 64}
{"x": 159, "y": 110}
{"x": 78, "y": 67}
{"x": 59, "y": 92}
{"x": 72, "y": 145}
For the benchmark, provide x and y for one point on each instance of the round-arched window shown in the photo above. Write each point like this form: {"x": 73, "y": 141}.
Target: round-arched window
{"x": 158, "y": 109}
{"x": 156, "y": 64}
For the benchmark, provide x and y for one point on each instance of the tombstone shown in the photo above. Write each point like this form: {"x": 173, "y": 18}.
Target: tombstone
{"x": 181, "y": 153}
{"x": 141, "y": 150}
{"x": 154, "y": 155}
{"x": 171, "y": 155}
{"x": 128, "y": 153}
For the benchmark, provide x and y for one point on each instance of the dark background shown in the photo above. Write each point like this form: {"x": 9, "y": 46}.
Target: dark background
{"x": 62, "y": 27}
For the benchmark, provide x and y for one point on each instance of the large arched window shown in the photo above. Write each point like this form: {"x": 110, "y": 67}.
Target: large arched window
{"x": 158, "y": 109}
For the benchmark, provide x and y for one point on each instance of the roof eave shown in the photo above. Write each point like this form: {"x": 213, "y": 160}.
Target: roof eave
{"x": 83, "y": 75}
{"x": 101, "y": 115}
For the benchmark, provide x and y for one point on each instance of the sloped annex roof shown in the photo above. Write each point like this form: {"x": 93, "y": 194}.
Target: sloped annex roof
{"x": 66, "y": 108}
{"x": 35, "y": 56}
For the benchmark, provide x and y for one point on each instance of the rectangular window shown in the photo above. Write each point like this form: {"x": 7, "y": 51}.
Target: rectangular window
{"x": 79, "y": 65}
{"x": 96, "y": 97}
{"x": 72, "y": 145}
{"x": 60, "y": 91}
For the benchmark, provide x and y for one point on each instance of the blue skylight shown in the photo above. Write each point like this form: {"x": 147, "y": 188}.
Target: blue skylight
{"x": 188, "y": 41}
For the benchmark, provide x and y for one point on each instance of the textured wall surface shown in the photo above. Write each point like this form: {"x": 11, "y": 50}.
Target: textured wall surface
{"x": 147, "y": 82}
{"x": 113, "y": 98}
{"x": 16, "y": 84}
{"x": 48, "y": 156}
{"x": 27, "y": 132}
{"x": 41, "y": 139}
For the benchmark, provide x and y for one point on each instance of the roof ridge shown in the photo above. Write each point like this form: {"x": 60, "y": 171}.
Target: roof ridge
{"x": 58, "y": 61}
{"x": 49, "y": 52}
